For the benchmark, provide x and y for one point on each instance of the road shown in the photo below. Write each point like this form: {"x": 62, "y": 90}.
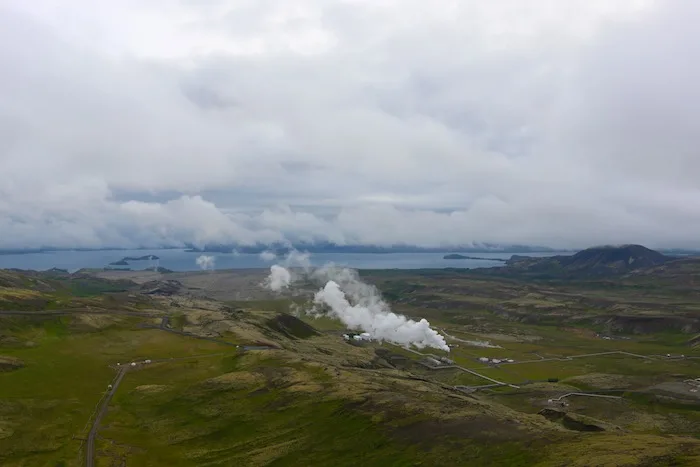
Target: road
{"x": 475, "y": 343}
{"x": 72, "y": 311}
{"x": 90, "y": 448}
{"x": 585, "y": 394}
{"x": 466, "y": 370}
{"x": 571, "y": 357}
{"x": 542, "y": 359}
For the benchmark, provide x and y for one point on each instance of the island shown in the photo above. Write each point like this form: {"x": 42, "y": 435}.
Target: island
{"x": 125, "y": 260}
{"x": 141, "y": 258}
{"x": 458, "y": 256}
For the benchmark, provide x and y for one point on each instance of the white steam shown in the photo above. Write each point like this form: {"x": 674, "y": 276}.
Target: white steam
{"x": 206, "y": 262}
{"x": 298, "y": 259}
{"x": 279, "y": 278}
{"x": 356, "y": 304}
{"x": 372, "y": 315}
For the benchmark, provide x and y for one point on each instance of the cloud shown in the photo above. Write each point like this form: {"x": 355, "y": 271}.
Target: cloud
{"x": 172, "y": 122}
{"x": 268, "y": 256}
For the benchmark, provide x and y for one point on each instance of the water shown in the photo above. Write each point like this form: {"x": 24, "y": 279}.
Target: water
{"x": 180, "y": 260}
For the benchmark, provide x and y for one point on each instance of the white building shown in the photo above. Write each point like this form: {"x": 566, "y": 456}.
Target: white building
{"x": 483, "y": 359}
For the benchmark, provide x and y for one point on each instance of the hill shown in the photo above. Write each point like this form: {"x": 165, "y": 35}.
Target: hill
{"x": 596, "y": 261}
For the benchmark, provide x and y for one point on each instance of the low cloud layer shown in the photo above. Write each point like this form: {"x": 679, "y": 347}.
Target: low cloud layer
{"x": 555, "y": 123}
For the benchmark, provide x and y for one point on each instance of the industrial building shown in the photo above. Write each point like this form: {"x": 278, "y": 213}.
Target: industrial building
{"x": 495, "y": 361}
{"x": 365, "y": 336}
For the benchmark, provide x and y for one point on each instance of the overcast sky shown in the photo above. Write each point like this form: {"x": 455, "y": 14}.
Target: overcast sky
{"x": 561, "y": 123}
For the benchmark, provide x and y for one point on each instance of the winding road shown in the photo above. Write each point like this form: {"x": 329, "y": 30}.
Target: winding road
{"x": 90, "y": 449}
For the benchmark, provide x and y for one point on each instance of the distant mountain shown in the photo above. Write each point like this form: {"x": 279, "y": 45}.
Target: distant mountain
{"x": 679, "y": 252}
{"x": 328, "y": 247}
{"x": 622, "y": 258}
{"x": 459, "y": 256}
{"x": 596, "y": 261}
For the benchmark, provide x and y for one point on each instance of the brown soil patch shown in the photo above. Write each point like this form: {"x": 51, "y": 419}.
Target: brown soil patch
{"x": 235, "y": 380}
{"x": 426, "y": 432}
{"x": 151, "y": 388}
{"x": 10, "y": 363}
{"x": 603, "y": 381}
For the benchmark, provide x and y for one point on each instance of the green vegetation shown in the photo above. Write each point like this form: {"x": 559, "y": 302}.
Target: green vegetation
{"x": 65, "y": 372}
{"x": 318, "y": 400}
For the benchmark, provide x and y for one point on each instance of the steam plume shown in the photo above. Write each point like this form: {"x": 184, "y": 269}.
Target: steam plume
{"x": 279, "y": 278}
{"x": 206, "y": 262}
{"x": 356, "y": 304}
{"x": 373, "y": 316}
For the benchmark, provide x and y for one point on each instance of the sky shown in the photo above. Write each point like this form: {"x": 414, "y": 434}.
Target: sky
{"x": 160, "y": 123}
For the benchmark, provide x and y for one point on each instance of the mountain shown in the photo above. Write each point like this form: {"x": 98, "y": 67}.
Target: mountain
{"x": 458, "y": 256}
{"x": 619, "y": 258}
{"x": 596, "y": 261}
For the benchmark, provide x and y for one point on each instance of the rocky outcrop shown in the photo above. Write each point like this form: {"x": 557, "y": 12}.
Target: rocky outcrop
{"x": 10, "y": 363}
{"x": 165, "y": 288}
{"x": 572, "y": 421}
{"x": 648, "y": 324}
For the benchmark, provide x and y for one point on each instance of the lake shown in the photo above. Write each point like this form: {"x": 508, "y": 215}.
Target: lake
{"x": 181, "y": 260}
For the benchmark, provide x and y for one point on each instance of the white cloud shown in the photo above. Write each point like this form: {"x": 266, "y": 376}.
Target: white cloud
{"x": 147, "y": 123}
{"x": 268, "y": 256}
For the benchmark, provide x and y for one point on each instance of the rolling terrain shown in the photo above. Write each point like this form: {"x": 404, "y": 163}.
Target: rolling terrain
{"x": 594, "y": 370}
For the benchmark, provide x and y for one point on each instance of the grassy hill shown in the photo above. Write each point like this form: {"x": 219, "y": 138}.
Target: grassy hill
{"x": 591, "y": 262}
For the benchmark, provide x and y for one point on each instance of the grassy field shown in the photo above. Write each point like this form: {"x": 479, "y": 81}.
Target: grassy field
{"x": 66, "y": 371}
{"x": 318, "y": 400}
